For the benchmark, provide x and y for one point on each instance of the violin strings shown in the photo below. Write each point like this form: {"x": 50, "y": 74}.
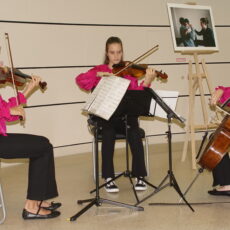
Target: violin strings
{"x": 138, "y": 59}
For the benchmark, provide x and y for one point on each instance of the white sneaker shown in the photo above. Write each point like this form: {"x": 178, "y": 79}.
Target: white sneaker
{"x": 111, "y": 187}
{"x": 140, "y": 184}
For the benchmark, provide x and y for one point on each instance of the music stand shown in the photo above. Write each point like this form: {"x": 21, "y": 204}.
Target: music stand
{"x": 170, "y": 175}
{"x": 97, "y": 200}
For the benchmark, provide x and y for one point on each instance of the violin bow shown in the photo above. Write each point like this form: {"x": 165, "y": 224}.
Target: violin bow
{"x": 15, "y": 89}
{"x": 141, "y": 57}
{"x": 11, "y": 66}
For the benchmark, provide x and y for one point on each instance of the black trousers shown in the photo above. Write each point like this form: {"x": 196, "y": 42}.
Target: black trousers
{"x": 221, "y": 173}
{"x": 41, "y": 176}
{"x": 134, "y": 103}
{"x": 117, "y": 126}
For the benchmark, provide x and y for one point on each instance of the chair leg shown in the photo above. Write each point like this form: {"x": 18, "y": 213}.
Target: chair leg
{"x": 2, "y": 205}
{"x": 94, "y": 163}
{"x": 147, "y": 156}
{"x": 93, "y": 152}
{"x": 94, "y": 168}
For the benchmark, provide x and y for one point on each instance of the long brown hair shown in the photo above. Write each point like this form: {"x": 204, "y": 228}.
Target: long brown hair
{"x": 111, "y": 40}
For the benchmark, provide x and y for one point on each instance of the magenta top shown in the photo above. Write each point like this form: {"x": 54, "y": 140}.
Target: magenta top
{"x": 225, "y": 95}
{"x": 89, "y": 80}
{"x": 5, "y": 111}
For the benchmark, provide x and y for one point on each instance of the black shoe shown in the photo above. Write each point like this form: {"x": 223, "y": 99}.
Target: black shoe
{"x": 53, "y": 206}
{"x": 31, "y": 216}
{"x": 140, "y": 184}
{"x": 219, "y": 193}
{"x": 111, "y": 187}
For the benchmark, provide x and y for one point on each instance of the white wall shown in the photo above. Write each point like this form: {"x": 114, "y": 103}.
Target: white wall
{"x": 58, "y": 39}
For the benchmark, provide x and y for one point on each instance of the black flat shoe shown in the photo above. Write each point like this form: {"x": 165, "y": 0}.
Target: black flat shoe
{"x": 219, "y": 193}
{"x": 31, "y": 216}
{"x": 53, "y": 206}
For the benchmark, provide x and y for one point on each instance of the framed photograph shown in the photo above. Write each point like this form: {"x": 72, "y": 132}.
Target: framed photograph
{"x": 192, "y": 27}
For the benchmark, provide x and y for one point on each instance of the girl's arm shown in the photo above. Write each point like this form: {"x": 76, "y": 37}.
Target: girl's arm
{"x": 89, "y": 80}
{"x": 224, "y": 94}
{"x": 6, "y": 108}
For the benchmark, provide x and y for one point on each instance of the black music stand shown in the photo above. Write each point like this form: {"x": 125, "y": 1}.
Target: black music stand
{"x": 170, "y": 175}
{"x": 97, "y": 200}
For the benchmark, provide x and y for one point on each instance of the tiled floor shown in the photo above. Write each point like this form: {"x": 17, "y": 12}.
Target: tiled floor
{"x": 74, "y": 176}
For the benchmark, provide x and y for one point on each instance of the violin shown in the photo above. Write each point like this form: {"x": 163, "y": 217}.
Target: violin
{"x": 124, "y": 68}
{"x": 14, "y": 76}
{"x": 19, "y": 77}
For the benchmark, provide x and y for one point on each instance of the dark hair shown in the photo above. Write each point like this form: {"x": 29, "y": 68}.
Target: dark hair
{"x": 186, "y": 20}
{"x": 181, "y": 20}
{"x": 204, "y": 20}
{"x": 111, "y": 40}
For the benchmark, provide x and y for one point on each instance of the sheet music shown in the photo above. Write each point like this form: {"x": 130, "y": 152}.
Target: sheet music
{"x": 169, "y": 97}
{"x": 106, "y": 96}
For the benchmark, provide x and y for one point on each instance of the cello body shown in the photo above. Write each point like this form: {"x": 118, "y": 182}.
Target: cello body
{"x": 217, "y": 146}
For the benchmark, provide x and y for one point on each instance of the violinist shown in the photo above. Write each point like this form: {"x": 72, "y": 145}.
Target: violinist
{"x": 41, "y": 177}
{"x": 221, "y": 173}
{"x": 89, "y": 80}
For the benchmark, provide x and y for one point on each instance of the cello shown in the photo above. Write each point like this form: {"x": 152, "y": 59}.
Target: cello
{"x": 217, "y": 146}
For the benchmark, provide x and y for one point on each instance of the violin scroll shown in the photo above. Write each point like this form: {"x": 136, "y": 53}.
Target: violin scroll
{"x": 161, "y": 75}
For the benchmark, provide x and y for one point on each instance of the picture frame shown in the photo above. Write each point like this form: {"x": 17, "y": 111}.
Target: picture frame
{"x": 192, "y": 27}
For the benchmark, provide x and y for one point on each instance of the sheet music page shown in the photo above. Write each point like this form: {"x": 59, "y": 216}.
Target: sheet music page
{"x": 169, "y": 97}
{"x": 106, "y": 96}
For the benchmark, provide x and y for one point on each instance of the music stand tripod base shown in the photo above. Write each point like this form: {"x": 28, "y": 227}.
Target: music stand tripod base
{"x": 172, "y": 180}
{"x": 98, "y": 201}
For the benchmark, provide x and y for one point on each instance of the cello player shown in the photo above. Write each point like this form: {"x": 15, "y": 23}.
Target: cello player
{"x": 221, "y": 173}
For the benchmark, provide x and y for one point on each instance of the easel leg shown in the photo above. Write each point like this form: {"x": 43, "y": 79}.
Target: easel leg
{"x": 210, "y": 87}
{"x": 195, "y": 82}
{"x": 190, "y": 125}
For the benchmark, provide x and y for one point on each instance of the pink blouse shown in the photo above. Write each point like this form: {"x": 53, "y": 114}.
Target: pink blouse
{"x": 225, "y": 95}
{"x": 90, "y": 79}
{"x": 5, "y": 111}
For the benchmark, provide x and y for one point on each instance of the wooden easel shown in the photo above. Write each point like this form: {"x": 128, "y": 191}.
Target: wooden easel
{"x": 196, "y": 82}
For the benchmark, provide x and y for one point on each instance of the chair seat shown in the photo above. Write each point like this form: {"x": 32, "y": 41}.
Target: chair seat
{"x": 119, "y": 136}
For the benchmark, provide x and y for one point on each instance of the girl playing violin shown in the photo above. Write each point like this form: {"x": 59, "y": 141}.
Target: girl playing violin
{"x": 89, "y": 80}
{"x": 41, "y": 178}
{"x": 221, "y": 173}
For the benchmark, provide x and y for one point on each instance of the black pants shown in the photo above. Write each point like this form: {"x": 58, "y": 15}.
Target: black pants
{"x": 41, "y": 178}
{"x": 117, "y": 126}
{"x": 134, "y": 103}
{"x": 221, "y": 173}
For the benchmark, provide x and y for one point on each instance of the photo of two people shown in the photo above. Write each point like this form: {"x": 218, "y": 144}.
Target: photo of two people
{"x": 192, "y": 27}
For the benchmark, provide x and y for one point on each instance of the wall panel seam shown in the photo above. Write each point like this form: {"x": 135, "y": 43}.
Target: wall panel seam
{"x": 88, "y": 24}
{"x": 82, "y": 102}
{"x": 90, "y": 66}
{"x": 154, "y": 135}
